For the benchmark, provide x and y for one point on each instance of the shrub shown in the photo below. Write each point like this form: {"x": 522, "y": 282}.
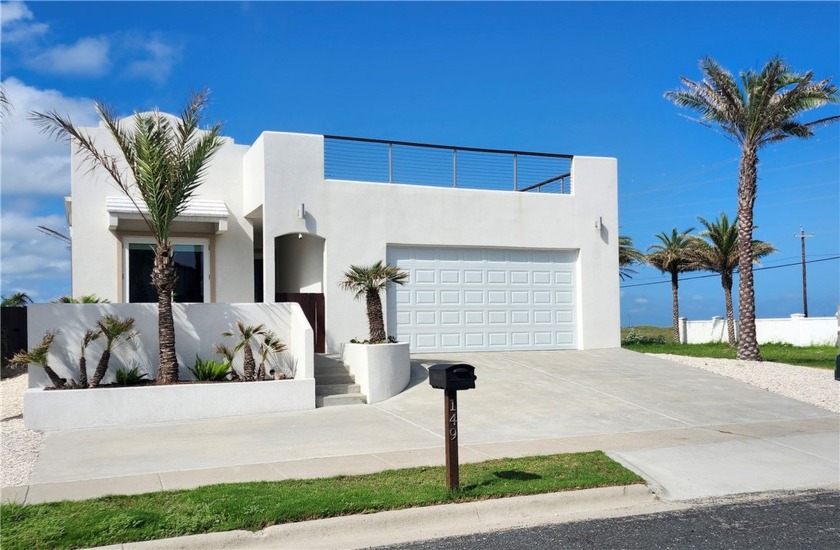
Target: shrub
{"x": 634, "y": 338}
{"x": 131, "y": 377}
{"x": 210, "y": 370}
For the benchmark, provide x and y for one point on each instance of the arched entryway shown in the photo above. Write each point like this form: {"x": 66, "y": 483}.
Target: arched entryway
{"x": 299, "y": 277}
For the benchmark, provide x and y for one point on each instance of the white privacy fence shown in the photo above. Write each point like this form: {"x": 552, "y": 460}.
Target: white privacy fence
{"x": 797, "y": 330}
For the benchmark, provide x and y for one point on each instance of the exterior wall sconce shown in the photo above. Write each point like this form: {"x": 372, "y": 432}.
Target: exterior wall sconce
{"x": 301, "y": 212}
{"x": 598, "y": 223}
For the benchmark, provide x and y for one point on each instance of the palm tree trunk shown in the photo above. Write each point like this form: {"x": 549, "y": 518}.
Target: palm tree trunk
{"x": 163, "y": 277}
{"x": 101, "y": 367}
{"x": 726, "y": 283}
{"x": 57, "y": 381}
{"x": 675, "y": 306}
{"x": 261, "y": 371}
{"x": 83, "y": 381}
{"x": 248, "y": 365}
{"x": 747, "y": 186}
{"x": 374, "y": 313}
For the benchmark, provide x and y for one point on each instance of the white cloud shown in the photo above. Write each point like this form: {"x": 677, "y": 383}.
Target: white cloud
{"x": 32, "y": 162}
{"x": 29, "y": 258}
{"x": 15, "y": 22}
{"x": 157, "y": 57}
{"x": 87, "y": 57}
{"x": 150, "y": 56}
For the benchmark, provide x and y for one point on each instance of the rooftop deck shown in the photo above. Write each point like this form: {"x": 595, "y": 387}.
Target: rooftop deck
{"x": 382, "y": 161}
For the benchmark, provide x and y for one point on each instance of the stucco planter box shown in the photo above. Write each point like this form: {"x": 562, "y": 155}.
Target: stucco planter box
{"x": 126, "y": 406}
{"x": 382, "y": 370}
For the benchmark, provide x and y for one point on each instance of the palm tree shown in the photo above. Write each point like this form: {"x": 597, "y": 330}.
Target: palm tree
{"x": 17, "y": 299}
{"x": 85, "y": 299}
{"x": 670, "y": 256}
{"x": 245, "y": 333}
{"x": 628, "y": 256}
{"x": 113, "y": 329}
{"x": 764, "y": 110}
{"x": 229, "y": 355}
{"x": 369, "y": 281}
{"x": 166, "y": 164}
{"x": 270, "y": 344}
{"x": 38, "y": 356}
{"x": 5, "y": 105}
{"x": 90, "y": 336}
{"x": 717, "y": 251}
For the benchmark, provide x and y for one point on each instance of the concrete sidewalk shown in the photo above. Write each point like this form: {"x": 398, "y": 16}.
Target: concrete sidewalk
{"x": 690, "y": 433}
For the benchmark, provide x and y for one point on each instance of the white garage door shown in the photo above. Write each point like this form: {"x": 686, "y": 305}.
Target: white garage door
{"x": 483, "y": 299}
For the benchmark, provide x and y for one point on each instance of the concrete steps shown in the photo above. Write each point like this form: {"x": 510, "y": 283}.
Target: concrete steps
{"x": 334, "y": 385}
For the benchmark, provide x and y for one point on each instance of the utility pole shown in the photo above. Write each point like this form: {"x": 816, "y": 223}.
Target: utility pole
{"x": 802, "y": 236}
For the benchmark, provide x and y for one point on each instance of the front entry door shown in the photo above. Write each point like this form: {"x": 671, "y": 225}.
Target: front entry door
{"x": 313, "y": 307}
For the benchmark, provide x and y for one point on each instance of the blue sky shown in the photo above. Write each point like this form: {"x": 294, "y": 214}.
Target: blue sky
{"x": 579, "y": 78}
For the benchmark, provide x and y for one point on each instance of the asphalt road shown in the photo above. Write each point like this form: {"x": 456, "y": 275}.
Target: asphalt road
{"x": 802, "y": 521}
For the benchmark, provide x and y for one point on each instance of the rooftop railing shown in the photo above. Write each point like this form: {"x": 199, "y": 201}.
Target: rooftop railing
{"x": 382, "y": 161}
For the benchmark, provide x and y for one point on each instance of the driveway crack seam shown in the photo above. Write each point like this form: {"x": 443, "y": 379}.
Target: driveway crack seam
{"x": 395, "y": 415}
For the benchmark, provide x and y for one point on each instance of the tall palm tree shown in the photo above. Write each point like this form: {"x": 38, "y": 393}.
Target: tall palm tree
{"x": 245, "y": 333}
{"x": 717, "y": 251}
{"x": 166, "y": 165}
{"x": 670, "y": 255}
{"x": 369, "y": 281}
{"x": 763, "y": 110}
{"x": 38, "y": 356}
{"x": 114, "y": 330}
{"x": 628, "y": 256}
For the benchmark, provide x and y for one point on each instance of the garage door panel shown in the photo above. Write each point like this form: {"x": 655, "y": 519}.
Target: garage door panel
{"x": 450, "y": 276}
{"x": 425, "y": 297}
{"x": 483, "y": 299}
{"x": 450, "y": 297}
{"x": 542, "y": 277}
{"x": 449, "y": 317}
{"x": 562, "y": 278}
{"x": 473, "y": 277}
{"x": 519, "y": 297}
{"x": 424, "y": 276}
{"x": 496, "y": 277}
{"x": 496, "y": 297}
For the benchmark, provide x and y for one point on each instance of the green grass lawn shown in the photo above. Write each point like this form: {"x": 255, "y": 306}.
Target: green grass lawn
{"x": 254, "y": 506}
{"x": 811, "y": 356}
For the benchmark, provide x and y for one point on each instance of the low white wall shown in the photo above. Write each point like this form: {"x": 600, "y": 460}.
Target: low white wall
{"x": 197, "y": 328}
{"x": 382, "y": 370}
{"x": 797, "y": 330}
{"x": 127, "y": 406}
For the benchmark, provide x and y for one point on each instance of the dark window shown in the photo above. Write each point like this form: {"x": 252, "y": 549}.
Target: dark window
{"x": 189, "y": 269}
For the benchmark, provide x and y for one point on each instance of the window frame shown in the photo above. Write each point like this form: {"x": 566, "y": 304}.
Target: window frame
{"x": 205, "y": 251}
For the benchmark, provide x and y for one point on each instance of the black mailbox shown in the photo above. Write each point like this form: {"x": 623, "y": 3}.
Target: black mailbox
{"x": 452, "y": 377}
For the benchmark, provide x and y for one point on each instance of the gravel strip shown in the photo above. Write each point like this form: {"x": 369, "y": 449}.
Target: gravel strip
{"x": 811, "y": 385}
{"x": 19, "y": 445}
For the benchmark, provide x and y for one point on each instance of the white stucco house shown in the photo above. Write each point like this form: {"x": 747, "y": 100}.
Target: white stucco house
{"x": 505, "y": 250}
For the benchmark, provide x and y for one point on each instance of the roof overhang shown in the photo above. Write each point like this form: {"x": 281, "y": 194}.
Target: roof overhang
{"x": 199, "y": 214}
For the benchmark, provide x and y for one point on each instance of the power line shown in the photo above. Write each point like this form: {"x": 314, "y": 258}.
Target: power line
{"x": 765, "y": 268}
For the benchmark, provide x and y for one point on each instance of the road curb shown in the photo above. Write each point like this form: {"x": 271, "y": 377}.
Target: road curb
{"x": 430, "y": 522}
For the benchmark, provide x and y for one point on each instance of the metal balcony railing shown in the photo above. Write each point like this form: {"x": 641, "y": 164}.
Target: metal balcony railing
{"x": 383, "y": 161}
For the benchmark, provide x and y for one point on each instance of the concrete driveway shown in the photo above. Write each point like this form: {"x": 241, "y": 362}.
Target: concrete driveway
{"x": 689, "y": 432}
